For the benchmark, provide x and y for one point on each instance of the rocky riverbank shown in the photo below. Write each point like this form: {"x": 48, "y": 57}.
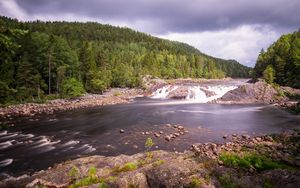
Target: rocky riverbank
{"x": 264, "y": 161}
{"x": 113, "y": 96}
{"x": 258, "y": 92}
{"x": 261, "y": 92}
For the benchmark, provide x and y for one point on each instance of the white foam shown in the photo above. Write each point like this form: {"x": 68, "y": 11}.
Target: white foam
{"x": 163, "y": 92}
{"x": 195, "y": 111}
{"x": 196, "y": 94}
{"x": 6, "y": 144}
{"x": 87, "y": 148}
{"x": 9, "y": 136}
{"x": 45, "y": 142}
{"x": 70, "y": 143}
{"x": 6, "y": 162}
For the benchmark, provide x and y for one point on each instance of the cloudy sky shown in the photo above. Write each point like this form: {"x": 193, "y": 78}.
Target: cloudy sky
{"x": 230, "y": 29}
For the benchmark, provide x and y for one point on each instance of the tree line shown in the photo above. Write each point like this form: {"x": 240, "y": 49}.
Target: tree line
{"x": 66, "y": 59}
{"x": 280, "y": 64}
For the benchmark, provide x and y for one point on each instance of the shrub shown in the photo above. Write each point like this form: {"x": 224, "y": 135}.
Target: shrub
{"x": 149, "y": 143}
{"x": 248, "y": 160}
{"x": 97, "y": 86}
{"x": 269, "y": 74}
{"x": 74, "y": 173}
{"x": 92, "y": 171}
{"x": 195, "y": 182}
{"x": 127, "y": 167}
{"x": 72, "y": 88}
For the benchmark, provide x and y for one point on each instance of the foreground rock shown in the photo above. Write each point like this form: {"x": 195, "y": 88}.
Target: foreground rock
{"x": 266, "y": 161}
{"x": 160, "y": 169}
{"x": 113, "y": 96}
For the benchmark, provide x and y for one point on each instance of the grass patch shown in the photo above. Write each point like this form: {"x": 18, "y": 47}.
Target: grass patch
{"x": 91, "y": 179}
{"x": 158, "y": 162}
{"x": 117, "y": 94}
{"x": 74, "y": 173}
{"x": 195, "y": 182}
{"x": 248, "y": 160}
{"x": 127, "y": 167}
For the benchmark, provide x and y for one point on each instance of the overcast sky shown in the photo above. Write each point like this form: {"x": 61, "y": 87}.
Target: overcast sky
{"x": 230, "y": 29}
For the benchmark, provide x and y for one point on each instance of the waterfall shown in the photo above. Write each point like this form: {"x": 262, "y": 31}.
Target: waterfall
{"x": 163, "y": 92}
{"x": 200, "y": 94}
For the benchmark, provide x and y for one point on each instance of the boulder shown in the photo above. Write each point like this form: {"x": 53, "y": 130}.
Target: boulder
{"x": 259, "y": 92}
{"x": 178, "y": 93}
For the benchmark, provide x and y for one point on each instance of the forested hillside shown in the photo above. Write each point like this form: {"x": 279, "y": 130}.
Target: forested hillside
{"x": 66, "y": 59}
{"x": 281, "y": 62}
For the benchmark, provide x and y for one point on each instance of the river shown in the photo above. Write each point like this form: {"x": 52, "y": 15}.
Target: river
{"x": 36, "y": 143}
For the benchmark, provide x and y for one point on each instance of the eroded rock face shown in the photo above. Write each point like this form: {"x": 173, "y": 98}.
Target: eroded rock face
{"x": 259, "y": 92}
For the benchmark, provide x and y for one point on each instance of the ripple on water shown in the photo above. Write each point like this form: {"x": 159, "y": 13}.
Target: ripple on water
{"x": 6, "y": 162}
{"x": 6, "y": 144}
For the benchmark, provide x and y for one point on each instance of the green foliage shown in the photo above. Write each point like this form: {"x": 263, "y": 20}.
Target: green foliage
{"x": 158, "y": 162}
{"x": 92, "y": 171}
{"x": 117, "y": 94}
{"x": 97, "y": 86}
{"x": 195, "y": 182}
{"x": 6, "y": 94}
{"x": 227, "y": 181}
{"x": 269, "y": 74}
{"x": 87, "y": 181}
{"x": 102, "y": 185}
{"x": 127, "y": 167}
{"x": 74, "y": 172}
{"x": 72, "y": 88}
{"x": 149, "y": 143}
{"x": 283, "y": 57}
{"x": 91, "y": 179}
{"x": 250, "y": 160}
{"x": 98, "y": 56}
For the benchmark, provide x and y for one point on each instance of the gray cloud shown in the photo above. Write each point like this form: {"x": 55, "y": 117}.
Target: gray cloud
{"x": 176, "y": 15}
{"x": 230, "y": 29}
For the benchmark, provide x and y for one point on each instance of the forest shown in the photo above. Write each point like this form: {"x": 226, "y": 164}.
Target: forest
{"x": 44, "y": 60}
{"x": 280, "y": 64}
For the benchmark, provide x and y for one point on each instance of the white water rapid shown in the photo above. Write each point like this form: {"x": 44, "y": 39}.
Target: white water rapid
{"x": 198, "y": 94}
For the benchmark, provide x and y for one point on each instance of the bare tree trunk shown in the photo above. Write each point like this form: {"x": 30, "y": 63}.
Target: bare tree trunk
{"x": 57, "y": 91}
{"x": 39, "y": 95}
{"x": 49, "y": 72}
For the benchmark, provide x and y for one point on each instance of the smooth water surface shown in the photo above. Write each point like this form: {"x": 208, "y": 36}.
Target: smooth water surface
{"x": 35, "y": 144}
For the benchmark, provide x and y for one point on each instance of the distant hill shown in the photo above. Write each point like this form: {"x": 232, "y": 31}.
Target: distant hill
{"x": 68, "y": 58}
{"x": 281, "y": 62}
